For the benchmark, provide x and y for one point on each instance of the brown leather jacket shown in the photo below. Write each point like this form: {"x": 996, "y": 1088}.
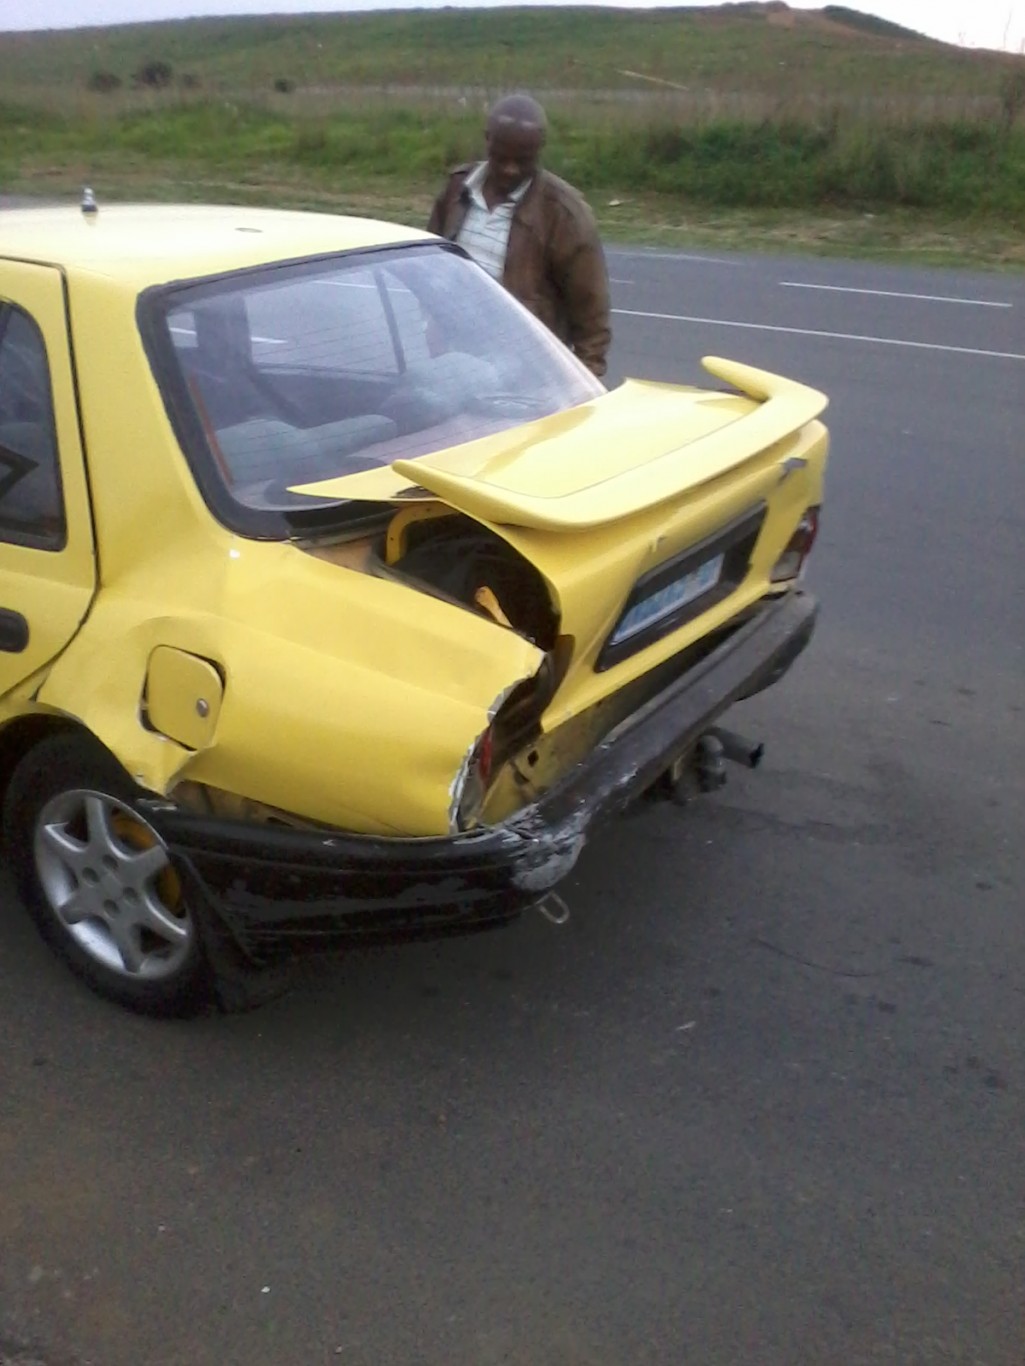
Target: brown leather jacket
{"x": 554, "y": 263}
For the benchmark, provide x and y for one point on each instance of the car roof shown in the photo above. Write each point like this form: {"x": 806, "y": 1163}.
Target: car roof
{"x": 147, "y": 244}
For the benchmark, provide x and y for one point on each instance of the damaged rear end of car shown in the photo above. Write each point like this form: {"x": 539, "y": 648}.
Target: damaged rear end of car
{"x": 658, "y": 582}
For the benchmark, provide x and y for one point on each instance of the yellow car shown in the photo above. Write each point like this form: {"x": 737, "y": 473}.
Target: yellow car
{"x": 337, "y": 599}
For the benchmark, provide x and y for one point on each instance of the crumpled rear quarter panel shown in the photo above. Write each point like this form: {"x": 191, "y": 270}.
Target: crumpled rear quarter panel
{"x": 348, "y": 700}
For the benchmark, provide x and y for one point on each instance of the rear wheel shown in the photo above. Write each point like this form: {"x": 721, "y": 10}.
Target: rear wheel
{"x": 99, "y": 880}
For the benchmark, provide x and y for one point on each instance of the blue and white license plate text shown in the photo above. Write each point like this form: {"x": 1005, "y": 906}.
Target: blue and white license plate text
{"x": 664, "y": 601}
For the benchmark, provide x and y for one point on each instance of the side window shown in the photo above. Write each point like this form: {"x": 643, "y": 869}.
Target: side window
{"x": 31, "y": 507}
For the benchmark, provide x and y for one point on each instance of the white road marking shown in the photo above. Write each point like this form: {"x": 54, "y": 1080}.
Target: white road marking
{"x": 812, "y": 332}
{"x": 897, "y": 294}
{"x": 669, "y": 256}
{"x": 614, "y": 281}
{"x": 190, "y": 332}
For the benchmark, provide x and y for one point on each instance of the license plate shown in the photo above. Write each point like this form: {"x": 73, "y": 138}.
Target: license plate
{"x": 664, "y": 601}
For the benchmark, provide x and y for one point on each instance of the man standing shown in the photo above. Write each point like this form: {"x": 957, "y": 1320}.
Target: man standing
{"x": 531, "y": 230}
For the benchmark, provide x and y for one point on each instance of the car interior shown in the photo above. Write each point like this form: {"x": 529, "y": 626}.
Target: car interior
{"x": 30, "y": 496}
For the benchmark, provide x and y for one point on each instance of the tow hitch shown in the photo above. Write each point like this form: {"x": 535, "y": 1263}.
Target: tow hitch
{"x": 553, "y": 908}
{"x": 703, "y": 769}
{"x": 738, "y": 748}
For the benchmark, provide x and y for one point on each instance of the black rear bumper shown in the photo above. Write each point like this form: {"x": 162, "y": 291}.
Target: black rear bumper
{"x": 271, "y": 887}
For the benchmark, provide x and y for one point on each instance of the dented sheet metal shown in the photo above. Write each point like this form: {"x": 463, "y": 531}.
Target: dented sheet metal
{"x": 340, "y": 703}
{"x": 275, "y": 887}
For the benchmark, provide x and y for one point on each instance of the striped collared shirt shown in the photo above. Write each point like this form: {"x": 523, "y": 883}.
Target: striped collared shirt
{"x": 485, "y": 232}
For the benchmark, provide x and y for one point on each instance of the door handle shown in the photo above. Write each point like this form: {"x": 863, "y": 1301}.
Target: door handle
{"x": 13, "y": 631}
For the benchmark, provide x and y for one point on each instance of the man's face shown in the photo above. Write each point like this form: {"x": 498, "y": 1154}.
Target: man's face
{"x": 512, "y": 156}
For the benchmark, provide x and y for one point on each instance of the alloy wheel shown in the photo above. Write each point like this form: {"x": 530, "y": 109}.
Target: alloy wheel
{"x": 108, "y": 879}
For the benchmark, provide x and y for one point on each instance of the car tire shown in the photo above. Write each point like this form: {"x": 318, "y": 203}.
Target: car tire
{"x": 99, "y": 881}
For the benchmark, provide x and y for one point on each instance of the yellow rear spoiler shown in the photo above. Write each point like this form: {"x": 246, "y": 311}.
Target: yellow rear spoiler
{"x": 786, "y": 407}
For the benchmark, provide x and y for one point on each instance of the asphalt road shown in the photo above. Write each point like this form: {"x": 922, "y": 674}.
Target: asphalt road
{"x": 761, "y": 1102}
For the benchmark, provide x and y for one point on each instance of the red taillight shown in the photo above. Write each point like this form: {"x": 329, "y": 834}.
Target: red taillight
{"x": 476, "y": 780}
{"x": 485, "y": 755}
{"x": 791, "y": 562}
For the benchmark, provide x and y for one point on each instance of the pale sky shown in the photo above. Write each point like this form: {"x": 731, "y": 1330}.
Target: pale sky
{"x": 974, "y": 23}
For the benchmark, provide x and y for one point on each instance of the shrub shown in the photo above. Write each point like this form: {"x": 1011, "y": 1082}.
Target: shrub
{"x": 1012, "y": 97}
{"x": 154, "y": 75}
{"x": 104, "y": 82}
{"x": 284, "y": 85}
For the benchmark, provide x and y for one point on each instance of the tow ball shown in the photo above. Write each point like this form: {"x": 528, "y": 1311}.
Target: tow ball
{"x": 703, "y": 768}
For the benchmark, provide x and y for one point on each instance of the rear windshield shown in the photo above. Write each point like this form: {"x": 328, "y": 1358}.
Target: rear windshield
{"x": 319, "y": 369}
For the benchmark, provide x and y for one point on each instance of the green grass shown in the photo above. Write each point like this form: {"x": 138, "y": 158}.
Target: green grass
{"x": 826, "y": 118}
{"x": 836, "y": 160}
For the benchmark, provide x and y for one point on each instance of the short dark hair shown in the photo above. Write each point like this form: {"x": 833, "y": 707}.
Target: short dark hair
{"x": 517, "y": 111}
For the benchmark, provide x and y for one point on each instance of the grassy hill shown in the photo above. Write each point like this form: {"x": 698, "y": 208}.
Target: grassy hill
{"x": 657, "y": 115}
{"x": 764, "y": 48}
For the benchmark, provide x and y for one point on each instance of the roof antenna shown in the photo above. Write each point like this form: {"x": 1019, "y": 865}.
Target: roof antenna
{"x": 89, "y": 204}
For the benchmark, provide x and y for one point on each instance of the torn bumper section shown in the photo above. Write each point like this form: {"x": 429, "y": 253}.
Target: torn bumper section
{"x": 276, "y": 888}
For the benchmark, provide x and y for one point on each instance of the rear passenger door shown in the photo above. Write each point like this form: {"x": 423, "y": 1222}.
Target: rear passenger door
{"x": 47, "y": 556}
